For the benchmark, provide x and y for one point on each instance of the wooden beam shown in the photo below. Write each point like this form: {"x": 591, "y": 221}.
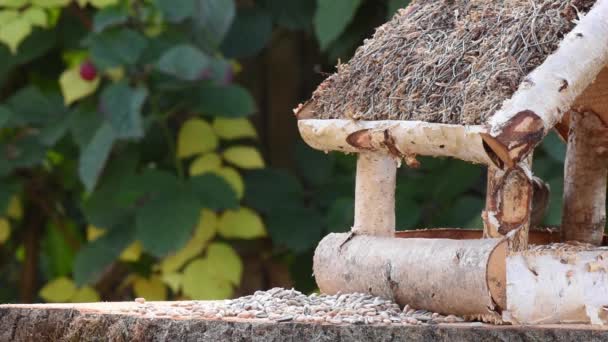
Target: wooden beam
{"x": 401, "y": 139}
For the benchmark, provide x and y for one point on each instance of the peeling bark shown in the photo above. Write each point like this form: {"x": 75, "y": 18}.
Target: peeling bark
{"x": 557, "y": 284}
{"x": 585, "y": 174}
{"x": 518, "y": 137}
{"x": 509, "y": 205}
{"x": 401, "y": 139}
{"x": 424, "y": 273}
{"x": 542, "y": 99}
{"x": 375, "y": 195}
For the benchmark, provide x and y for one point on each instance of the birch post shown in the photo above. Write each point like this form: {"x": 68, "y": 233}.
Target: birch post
{"x": 375, "y": 195}
{"x": 585, "y": 173}
{"x": 509, "y": 204}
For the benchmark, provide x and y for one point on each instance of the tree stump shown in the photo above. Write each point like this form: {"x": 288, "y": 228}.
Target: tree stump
{"x": 109, "y": 322}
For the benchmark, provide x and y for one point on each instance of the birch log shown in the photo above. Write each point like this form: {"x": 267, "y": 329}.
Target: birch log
{"x": 509, "y": 205}
{"x": 401, "y": 139}
{"x": 551, "y": 89}
{"x": 375, "y": 194}
{"x": 557, "y": 284}
{"x": 464, "y": 277}
{"x": 585, "y": 173}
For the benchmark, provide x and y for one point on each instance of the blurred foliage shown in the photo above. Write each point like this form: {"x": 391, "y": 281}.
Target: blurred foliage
{"x": 127, "y": 154}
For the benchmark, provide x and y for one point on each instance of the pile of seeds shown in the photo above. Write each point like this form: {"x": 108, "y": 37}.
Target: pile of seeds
{"x": 282, "y": 305}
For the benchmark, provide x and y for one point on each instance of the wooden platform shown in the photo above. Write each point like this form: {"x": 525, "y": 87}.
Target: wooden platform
{"x": 127, "y": 322}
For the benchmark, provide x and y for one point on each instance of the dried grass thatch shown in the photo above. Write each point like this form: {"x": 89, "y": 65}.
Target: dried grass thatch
{"x": 447, "y": 61}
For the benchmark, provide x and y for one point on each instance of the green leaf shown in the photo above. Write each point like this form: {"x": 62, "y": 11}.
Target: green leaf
{"x": 269, "y": 190}
{"x": 213, "y": 192}
{"x": 50, "y": 3}
{"x": 13, "y": 3}
{"x": 116, "y": 47}
{"x": 554, "y": 212}
{"x": 83, "y": 125}
{"x": 58, "y": 254}
{"x": 245, "y": 157}
{"x": 231, "y": 129}
{"x": 295, "y": 227}
{"x": 195, "y": 137}
{"x": 112, "y": 201}
{"x": 74, "y": 87}
{"x": 461, "y": 212}
{"x": 293, "y": 14}
{"x": 13, "y": 32}
{"x": 176, "y": 11}
{"x": 184, "y": 61}
{"x": 231, "y": 101}
{"x": 36, "y": 16}
{"x": 109, "y": 17}
{"x": 5, "y": 115}
{"x": 340, "y": 215}
{"x": 232, "y": 267}
{"x": 331, "y": 19}
{"x": 203, "y": 280}
{"x": 394, "y": 5}
{"x": 213, "y": 19}
{"x": 97, "y": 255}
{"x": 36, "y": 44}
{"x": 554, "y": 147}
{"x": 52, "y": 132}
{"x": 31, "y": 106}
{"x": 5, "y": 230}
{"x": 243, "y": 223}
{"x": 27, "y": 152}
{"x": 407, "y": 211}
{"x": 249, "y": 33}
{"x": 58, "y": 290}
{"x": 122, "y": 106}
{"x": 165, "y": 224}
{"x": 314, "y": 166}
{"x": 93, "y": 158}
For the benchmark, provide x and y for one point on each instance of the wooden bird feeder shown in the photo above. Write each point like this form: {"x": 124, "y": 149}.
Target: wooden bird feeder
{"x": 482, "y": 81}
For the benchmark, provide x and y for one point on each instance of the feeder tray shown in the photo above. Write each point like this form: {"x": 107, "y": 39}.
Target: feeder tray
{"x": 385, "y": 108}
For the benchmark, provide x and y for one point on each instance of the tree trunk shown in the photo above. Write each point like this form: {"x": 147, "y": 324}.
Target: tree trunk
{"x": 585, "y": 173}
{"x": 375, "y": 195}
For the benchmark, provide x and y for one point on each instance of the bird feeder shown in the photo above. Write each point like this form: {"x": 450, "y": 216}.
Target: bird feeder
{"x": 482, "y": 81}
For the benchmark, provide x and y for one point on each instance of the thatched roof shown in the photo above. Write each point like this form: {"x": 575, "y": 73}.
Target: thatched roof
{"x": 447, "y": 61}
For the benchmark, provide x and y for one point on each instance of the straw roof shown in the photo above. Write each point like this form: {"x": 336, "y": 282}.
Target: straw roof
{"x": 447, "y": 61}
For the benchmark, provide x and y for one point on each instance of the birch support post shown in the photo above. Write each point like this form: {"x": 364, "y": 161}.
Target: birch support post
{"x": 375, "y": 195}
{"x": 509, "y": 205}
{"x": 585, "y": 173}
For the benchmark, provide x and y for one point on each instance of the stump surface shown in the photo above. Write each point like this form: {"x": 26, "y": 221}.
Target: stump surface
{"x": 125, "y": 322}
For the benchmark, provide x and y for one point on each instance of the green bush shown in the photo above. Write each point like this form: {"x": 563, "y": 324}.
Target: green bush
{"x": 127, "y": 150}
